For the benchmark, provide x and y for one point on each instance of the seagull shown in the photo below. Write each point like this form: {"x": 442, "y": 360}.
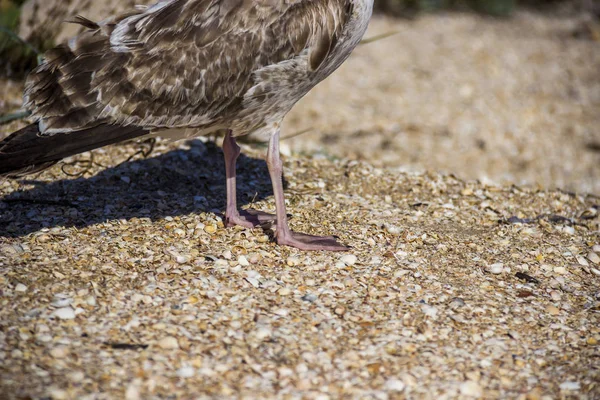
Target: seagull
{"x": 186, "y": 68}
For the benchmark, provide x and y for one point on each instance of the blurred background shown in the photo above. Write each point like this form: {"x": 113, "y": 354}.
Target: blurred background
{"x": 498, "y": 90}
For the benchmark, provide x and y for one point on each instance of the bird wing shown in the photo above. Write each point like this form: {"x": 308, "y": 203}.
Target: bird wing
{"x": 179, "y": 63}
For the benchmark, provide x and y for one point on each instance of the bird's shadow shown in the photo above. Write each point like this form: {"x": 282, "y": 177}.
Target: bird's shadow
{"x": 179, "y": 182}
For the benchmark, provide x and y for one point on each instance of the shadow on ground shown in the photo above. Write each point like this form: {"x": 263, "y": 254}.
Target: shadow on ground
{"x": 176, "y": 183}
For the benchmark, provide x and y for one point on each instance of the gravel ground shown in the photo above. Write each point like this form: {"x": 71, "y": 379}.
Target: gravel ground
{"x": 122, "y": 283}
{"x": 125, "y": 284}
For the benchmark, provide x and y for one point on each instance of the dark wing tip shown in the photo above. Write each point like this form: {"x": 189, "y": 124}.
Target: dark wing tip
{"x": 83, "y": 21}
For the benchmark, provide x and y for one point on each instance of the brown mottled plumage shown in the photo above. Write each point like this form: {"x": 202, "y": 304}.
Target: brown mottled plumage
{"x": 42, "y": 21}
{"x": 185, "y": 68}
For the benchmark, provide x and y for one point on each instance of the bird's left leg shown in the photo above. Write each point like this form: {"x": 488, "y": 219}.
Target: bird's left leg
{"x": 233, "y": 216}
{"x": 284, "y": 234}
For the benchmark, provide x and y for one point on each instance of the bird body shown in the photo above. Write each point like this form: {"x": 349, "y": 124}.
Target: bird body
{"x": 182, "y": 68}
{"x": 233, "y": 64}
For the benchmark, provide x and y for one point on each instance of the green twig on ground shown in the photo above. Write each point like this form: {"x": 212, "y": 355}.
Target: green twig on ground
{"x": 378, "y": 37}
{"x": 19, "y": 39}
{"x": 5, "y": 119}
{"x": 293, "y": 135}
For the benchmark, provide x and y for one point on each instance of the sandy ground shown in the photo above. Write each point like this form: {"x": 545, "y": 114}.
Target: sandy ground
{"x": 511, "y": 101}
{"x": 123, "y": 283}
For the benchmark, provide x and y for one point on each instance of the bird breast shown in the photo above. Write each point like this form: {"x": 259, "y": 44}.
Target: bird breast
{"x": 280, "y": 86}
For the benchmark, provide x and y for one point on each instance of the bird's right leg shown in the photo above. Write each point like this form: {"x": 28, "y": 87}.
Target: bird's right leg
{"x": 233, "y": 216}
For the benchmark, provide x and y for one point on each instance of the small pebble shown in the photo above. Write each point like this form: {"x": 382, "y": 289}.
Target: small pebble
{"x": 20, "y": 288}
{"x": 292, "y": 261}
{"x": 168, "y": 343}
{"x": 60, "y": 301}
{"x": 560, "y": 270}
{"x": 349, "y": 259}
{"x": 253, "y": 281}
{"x": 582, "y": 261}
{"x": 159, "y": 326}
{"x": 179, "y": 232}
{"x": 569, "y": 385}
{"x": 309, "y": 297}
{"x": 75, "y": 376}
{"x": 44, "y": 338}
{"x": 496, "y": 268}
{"x": 394, "y": 385}
{"x": 64, "y": 313}
{"x": 595, "y": 271}
{"x": 393, "y": 229}
{"x": 91, "y": 301}
{"x": 8, "y": 249}
{"x": 596, "y": 248}
{"x": 133, "y": 391}
{"x": 546, "y": 267}
{"x": 43, "y": 238}
{"x": 457, "y": 302}
{"x": 181, "y": 259}
{"x": 282, "y": 312}
{"x": 186, "y": 372}
{"x": 400, "y": 273}
{"x": 471, "y": 389}
{"x": 57, "y": 394}
{"x": 340, "y": 310}
{"x": 430, "y": 311}
{"x": 552, "y": 310}
{"x": 253, "y": 258}
{"x": 262, "y": 239}
{"x": 59, "y": 352}
{"x": 263, "y": 333}
{"x": 243, "y": 261}
{"x": 594, "y": 257}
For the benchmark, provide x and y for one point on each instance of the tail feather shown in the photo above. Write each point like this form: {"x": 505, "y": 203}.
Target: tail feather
{"x": 26, "y": 151}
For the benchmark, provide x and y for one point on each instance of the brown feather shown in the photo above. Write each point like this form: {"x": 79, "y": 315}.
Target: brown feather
{"x": 206, "y": 64}
{"x": 149, "y": 81}
{"x": 80, "y": 20}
